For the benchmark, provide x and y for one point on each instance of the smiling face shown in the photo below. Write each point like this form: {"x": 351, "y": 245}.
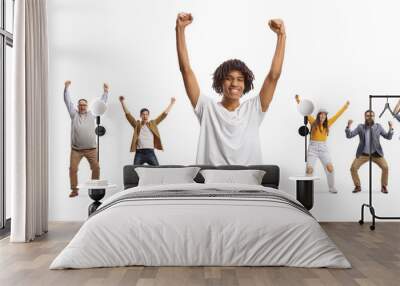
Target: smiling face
{"x": 144, "y": 115}
{"x": 82, "y": 106}
{"x": 232, "y": 79}
{"x": 233, "y": 85}
{"x": 322, "y": 117}
{"x": 369, "y": 117}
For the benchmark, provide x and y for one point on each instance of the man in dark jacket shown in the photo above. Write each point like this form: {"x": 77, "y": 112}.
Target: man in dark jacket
{"x": 369, "y": 134}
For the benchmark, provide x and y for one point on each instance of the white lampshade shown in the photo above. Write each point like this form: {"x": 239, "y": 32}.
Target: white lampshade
{"x": 98, "y": 107}
{"x": 305, "y": 107}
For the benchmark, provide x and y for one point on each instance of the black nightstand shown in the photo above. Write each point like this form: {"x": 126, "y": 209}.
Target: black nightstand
{"x": 96, "y": 193}
{"x": 305, "y": 190}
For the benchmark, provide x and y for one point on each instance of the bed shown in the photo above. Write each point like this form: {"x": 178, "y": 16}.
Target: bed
{"x": 201, "y": 224}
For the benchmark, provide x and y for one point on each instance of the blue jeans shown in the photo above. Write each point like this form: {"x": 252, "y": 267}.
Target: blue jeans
{"x": 143, "y": 156}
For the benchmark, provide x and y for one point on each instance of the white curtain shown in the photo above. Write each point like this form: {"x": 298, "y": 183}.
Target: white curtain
{"x": 29, "y": 135}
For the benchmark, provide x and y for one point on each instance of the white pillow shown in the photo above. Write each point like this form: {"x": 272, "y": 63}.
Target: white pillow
{"x": 165, "y": 176}
{"x": 248, "y": 177}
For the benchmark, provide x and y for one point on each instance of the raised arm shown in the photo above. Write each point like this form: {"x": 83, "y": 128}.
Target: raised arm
{"x": 170, "y": 105}
{"x": 106, "y": 92}
{"x": 389, "y": 134}
{"x": 67, "y": 99}
{"x": 338, "y": 114}
{"x": 164, "y": 114}
{"x": 189, "y": 79}
{"x": 310, "y": 118}
{"x": 351, "y": 133}
{"x": 128, "y": 115}
{"x": 270, "y": 82}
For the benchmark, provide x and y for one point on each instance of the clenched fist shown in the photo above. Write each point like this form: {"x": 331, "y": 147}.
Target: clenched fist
{"x": 183, "y": 19}
{"x": 67, "y": 83}
{"x": 277, "y": 26}
{"x": 349, "y": 123}
{"x": 121, "y": 98}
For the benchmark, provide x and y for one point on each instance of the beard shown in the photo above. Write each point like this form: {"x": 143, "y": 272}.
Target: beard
{"x": 369, "y": 122}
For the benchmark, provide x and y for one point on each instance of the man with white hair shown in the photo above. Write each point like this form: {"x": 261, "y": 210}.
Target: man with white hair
{"x": 83, "y": 137}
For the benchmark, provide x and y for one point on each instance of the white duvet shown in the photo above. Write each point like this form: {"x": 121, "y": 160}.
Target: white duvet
{"x": 200, "y": 231}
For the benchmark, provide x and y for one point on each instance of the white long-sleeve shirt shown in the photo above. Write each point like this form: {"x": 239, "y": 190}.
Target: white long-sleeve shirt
{"x": 82, "y": 124}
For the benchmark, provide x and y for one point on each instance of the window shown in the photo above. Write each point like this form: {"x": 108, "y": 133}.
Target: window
{"x": 9, "y": 11}
{"x": 6, "y": 44}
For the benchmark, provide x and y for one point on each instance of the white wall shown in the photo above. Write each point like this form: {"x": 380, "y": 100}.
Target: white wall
{"x": 336, "y": 50}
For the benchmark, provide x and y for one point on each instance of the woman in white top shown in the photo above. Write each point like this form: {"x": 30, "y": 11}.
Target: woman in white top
{"x": 229, "y": 132}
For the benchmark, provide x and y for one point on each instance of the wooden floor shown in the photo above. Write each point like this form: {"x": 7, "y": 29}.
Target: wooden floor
{"x": 374, "y": 255}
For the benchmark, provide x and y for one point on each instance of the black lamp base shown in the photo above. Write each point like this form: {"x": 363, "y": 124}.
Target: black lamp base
{"x": 100, "y": 130}
{"x": 96, "y": 195}
{"x": 303, "y": 130}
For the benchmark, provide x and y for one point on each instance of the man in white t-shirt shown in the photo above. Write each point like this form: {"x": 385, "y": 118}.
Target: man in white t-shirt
{"x": 229, "y": 129}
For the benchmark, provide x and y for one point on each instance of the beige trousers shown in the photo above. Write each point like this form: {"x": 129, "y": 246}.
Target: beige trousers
{"x": 358, "y": 162}
{"x": 76, "y": 157}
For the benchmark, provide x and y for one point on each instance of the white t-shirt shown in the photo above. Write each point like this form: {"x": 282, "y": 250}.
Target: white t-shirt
{"x": 146, "y": 138}
{"x": 229, "y": 137}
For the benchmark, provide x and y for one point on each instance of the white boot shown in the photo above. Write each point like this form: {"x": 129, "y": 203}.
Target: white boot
{"x": 333, "y": 190}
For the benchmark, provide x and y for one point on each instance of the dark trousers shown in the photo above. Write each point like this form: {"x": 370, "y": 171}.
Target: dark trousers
{"x": 143, "y": 156}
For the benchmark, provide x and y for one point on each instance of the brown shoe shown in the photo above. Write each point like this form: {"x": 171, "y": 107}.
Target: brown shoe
{"x": 73, "y": 193}
{"x": 357, "y": 189}
{"x": 384, "y": 190}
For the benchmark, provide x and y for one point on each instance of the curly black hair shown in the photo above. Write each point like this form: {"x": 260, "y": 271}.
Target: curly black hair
{"x": 225, "y": 68}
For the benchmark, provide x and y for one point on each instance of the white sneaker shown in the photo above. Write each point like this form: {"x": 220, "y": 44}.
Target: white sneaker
{"x": 333, "y": 190}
